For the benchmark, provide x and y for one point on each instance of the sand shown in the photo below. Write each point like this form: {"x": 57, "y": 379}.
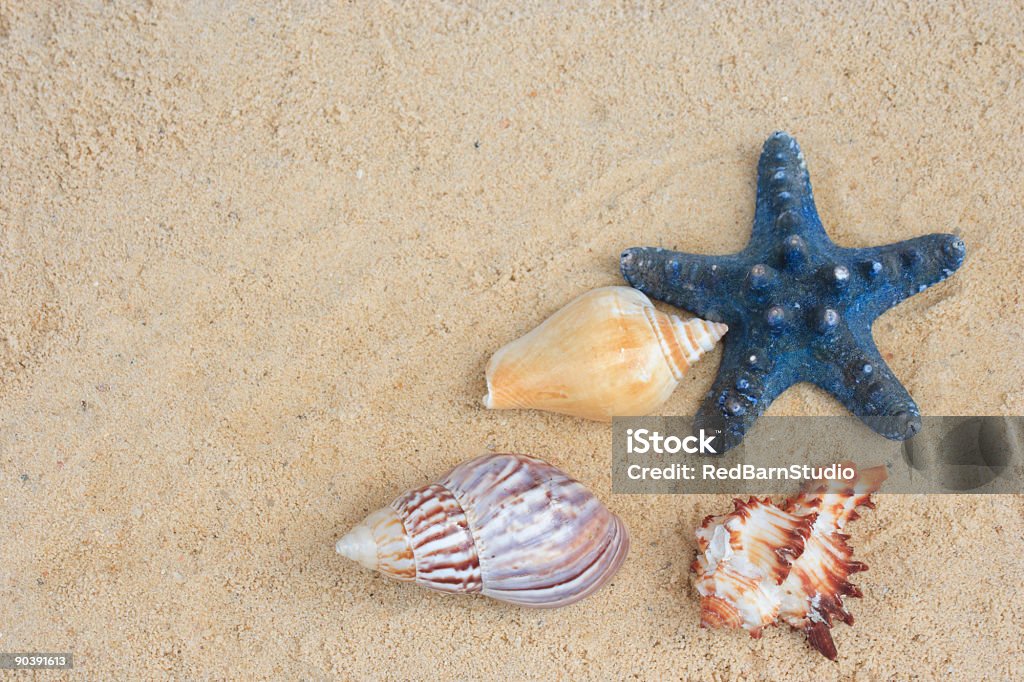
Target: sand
{"x": 253, "y": 263}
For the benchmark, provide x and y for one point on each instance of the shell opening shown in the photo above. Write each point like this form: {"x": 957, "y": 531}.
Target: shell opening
{"x": 488, "y": 400}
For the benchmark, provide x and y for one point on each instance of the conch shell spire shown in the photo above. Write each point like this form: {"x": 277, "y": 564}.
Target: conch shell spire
{"x": 359, "y": 546}
{"x": 380, "y": 543}
{"x": 607, "y": 353}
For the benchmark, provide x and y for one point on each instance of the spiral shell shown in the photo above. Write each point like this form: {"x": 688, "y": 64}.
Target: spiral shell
{"x": 511, "y": 527}
{"x": 763, "y": 563}
{"x": 607, "y": 353}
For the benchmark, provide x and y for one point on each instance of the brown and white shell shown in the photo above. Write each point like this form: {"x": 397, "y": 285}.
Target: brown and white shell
{"x": 511, "y": 527}
{"x": 742, "y": 559}
{"x": 819, "y": 578}
{"x": 762, "y": 562}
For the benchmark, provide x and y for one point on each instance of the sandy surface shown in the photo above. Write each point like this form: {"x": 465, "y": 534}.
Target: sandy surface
{"x": 253, "y": 262}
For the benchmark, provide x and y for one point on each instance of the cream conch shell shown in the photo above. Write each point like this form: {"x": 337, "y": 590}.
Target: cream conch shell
{"x": 607, "y": 353}
{"x": 763, "y": 563}
{"x": 511, "y": 527}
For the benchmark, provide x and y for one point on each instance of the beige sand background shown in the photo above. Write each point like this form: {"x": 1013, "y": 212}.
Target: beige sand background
{"x": 253, "y": 262}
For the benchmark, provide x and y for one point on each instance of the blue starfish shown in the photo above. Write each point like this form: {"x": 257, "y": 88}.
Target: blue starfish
{"x": 799, "y": 308}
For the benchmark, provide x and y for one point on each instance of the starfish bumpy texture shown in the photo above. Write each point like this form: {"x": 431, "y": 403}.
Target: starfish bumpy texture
{"x": 799, "y": 308}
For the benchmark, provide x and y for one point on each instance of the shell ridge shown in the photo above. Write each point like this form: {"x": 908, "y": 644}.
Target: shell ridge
{"x": 397, "y": 557}
{"x": 471, "y": 524}
{"x": 679, "y": 364}
{"x": 603, "y": 567}
{"x": 443, "y": 561}
{"x": 593, "y": 557}
{"x": 493, "y": 490}
{"x": 460, "y": 486}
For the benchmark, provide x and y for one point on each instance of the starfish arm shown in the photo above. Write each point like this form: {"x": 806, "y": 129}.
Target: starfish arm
{"x": 699, "y": 284}
{"x": 853, "y": 371}
{"x": 749, "y": 379}
{"x": 785, "y": 202}
{"x": 890, "y": 274}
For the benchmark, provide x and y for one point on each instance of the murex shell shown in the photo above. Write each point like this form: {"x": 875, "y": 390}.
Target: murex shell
{"x": 608, "y": 353}
{"x": 762, "y": 562}
{"x": 511, "y": 527}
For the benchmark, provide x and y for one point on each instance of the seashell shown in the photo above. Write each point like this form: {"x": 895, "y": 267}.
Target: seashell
{"x": 511, "y": 527}
{"x": 818, "y": 579}
{"x": 763, "y": 563}
{"x": 742, "y": 559}
{"x": 607, "y": 353}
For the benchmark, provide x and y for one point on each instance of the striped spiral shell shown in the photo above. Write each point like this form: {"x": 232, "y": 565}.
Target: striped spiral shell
{"x": 511, "y": 527}
{"x": 608, "y": 353}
